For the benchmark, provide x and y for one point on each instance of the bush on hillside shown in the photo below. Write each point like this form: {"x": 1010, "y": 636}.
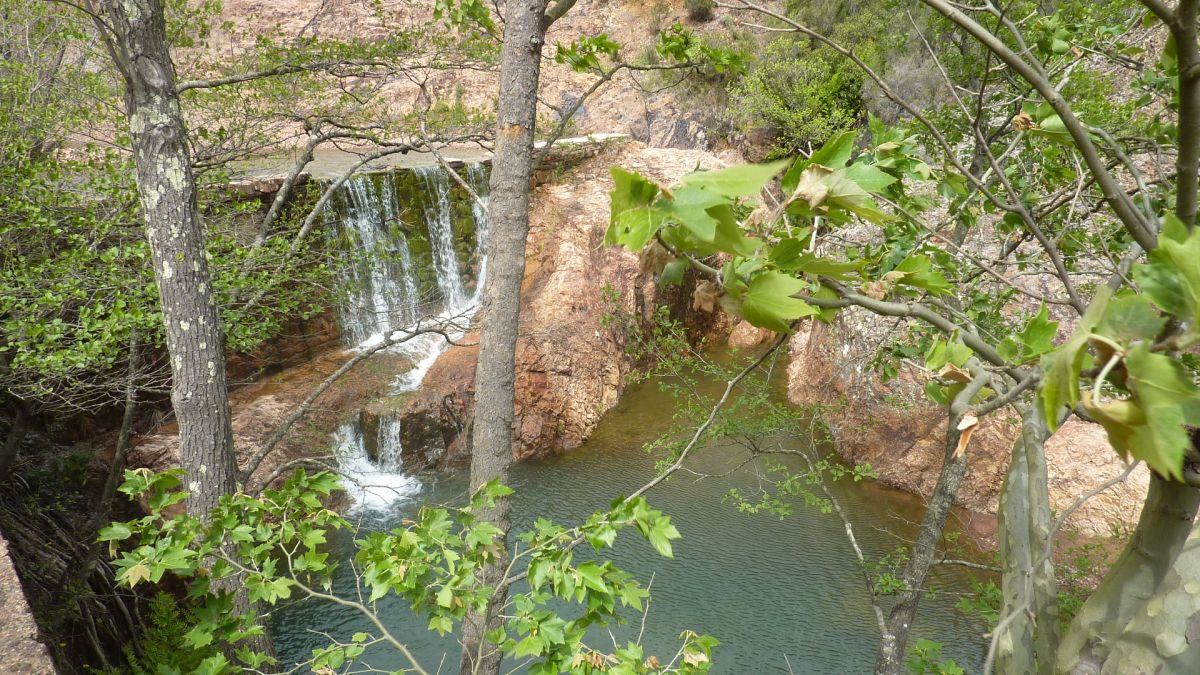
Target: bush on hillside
{"x": 797, "y": 98}
{"x": 700, "y": 11}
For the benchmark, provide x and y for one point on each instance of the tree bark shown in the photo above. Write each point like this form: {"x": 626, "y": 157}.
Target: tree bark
{"x": 1162, "y": 636}
{"x": 508, "y": 222}
{"x": 167, "y": 190}
{"x": 894, "y": 642}
{"x": 1027, "y": 642}
{"x": 1162, "y": 529}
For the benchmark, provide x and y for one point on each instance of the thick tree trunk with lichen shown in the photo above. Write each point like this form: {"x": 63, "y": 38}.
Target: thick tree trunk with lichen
{"x": 1028, "y": 636}
{"x": 1164, "y": 635}
{"x": 167, "y": 188}
{"x": 173, "y": 228}
{"x": 495, "y": 374}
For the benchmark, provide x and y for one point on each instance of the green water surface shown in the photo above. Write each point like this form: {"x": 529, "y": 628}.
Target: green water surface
{"x": 781, "y": 595}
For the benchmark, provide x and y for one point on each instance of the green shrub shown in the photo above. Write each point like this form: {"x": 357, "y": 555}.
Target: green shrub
{"x": 797, "y": 98}
{"x": 699, "y": 11}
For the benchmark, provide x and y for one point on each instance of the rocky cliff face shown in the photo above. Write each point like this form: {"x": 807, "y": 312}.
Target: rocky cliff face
{"x": 631, "y": 103}
{"x": 901, "y": 434}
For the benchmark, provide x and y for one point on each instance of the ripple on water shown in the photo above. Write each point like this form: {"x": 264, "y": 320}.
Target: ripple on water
{"x": 781, "y": 595}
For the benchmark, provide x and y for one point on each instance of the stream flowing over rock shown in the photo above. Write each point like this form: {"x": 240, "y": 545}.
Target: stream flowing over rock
{"x": 571, "y": 365}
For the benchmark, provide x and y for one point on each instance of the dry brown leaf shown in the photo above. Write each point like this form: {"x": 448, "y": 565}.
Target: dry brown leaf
{"x": 653, "y": 258}
{"x": 954, "y": 373}
{"x": 812, "y": 188}
{"x": 1022, "y": 121}
{"x": 877, "y": 290}
{"x": 704, "y": 298}
{"x": 967, "y": 427}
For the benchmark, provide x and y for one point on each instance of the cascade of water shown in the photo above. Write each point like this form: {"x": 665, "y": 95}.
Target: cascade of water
{"x": 380, "y": 279}
{"x": 371, "y": 487}
{"x": 390, "y": 445}
{"x": 427, "y": 348}
{"x": 438, "y": 213}
{"x": 384, "y": 295}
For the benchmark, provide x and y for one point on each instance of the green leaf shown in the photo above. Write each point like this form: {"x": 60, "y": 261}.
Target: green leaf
{"x": 845, "y": 194}
{"x": 768, "y": 302}
{"x": 1181, "y": 248}
{"x": 729, "y": 236}
{"x": 1037, "y": 337}
{"x": 672, "y": 274}
{"x": 592, "y": 576}
{"x": 660, "y": 536}
{"x": 199, "y": 636}
{"x": 441, "y": 623}
{"x": 445, "y": 597}
{"x": 1170, "y": 401}
{"x": 743, "y": 180}
{"x": 688, "y": 205}
{"x": 529, "y": 646}
{"x": 833, "y": 155}
{"x": 632, "y": 220}
{"x": 115, "y": 532}
{"x": 918, "y": 271}
{"x": 868, "y": 177}
{"x": 824, "y": 267}
{"x": 1130, "y": 318}
{"x": 1061, "y": 367}
{"x": 836, "y": 151}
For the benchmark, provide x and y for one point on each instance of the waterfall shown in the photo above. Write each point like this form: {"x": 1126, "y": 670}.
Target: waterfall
{"x": 405, "y": 250}
{"x": 372, "y": 486}
{"x": 441, "y": 234}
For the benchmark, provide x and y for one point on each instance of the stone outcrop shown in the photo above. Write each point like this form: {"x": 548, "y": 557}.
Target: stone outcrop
{"x": 20, "y": 651}
{"x": 571, "y": 362}
{"x": 896, "y": 429}
{"x": 260, "y": 408}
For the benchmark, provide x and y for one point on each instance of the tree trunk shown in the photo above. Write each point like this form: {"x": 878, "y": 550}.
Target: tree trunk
{"x": 1162, "y": 636}
{"x": 1027, "y": 642}
{"x": 136, "y": 38}
{"x": 1164, "y": 526}
{"x": 894, "y": 642}
{"x": 508, "y": 222}
{"x": 173, "y": 228}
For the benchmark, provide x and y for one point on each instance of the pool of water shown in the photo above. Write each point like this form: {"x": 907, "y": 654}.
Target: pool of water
{"x": 782, "y": 596}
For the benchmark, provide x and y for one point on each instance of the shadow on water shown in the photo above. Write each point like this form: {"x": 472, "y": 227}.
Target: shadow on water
{"x": 782, "y": 595}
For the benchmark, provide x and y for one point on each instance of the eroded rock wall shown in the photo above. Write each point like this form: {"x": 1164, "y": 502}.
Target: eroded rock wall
{"x": 896, "y": 429}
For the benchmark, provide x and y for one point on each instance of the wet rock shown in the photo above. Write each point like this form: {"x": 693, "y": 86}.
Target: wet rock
{"x": 260, "y": 408}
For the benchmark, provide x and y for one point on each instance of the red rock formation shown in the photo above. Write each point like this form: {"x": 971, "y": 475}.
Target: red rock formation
{"x": 896, "y": 429}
